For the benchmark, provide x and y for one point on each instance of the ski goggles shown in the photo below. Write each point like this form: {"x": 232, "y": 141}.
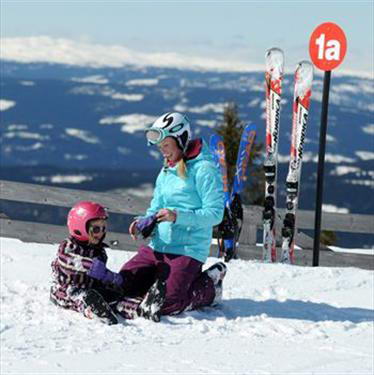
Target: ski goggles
{"x": 156, "y": 135}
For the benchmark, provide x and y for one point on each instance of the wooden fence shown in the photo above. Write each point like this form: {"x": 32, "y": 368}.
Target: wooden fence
{"x": 129, "y": 205}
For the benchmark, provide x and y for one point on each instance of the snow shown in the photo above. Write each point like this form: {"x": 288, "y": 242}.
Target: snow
{"x": 72, "y": 52}
{"x": 63, "y": 179}
{"x": 369, "y": 129}
{"x": 96, "y": 79}
{"x": 369, "y": 183}
{"x": 106, "y": 91}
{"x": 335, "y": 209}
{"x": 352, "y": 251}
{"x": 143, "y": 82}
{"x": 155, "y": 154}
{"x": 357, "y": 88}
{"x": 82, "y": 135}
{"x": 25, "y": 135}
{"x": 206, "y": 108}
{"x": 365, "y": 155}
{"x": 130, "y": 123}
{"x": 127, "y": 97}
{"x": 75, "y": 156}
{"x": 144, "y": 190}
{"x": 124, "y": 150}
{"x": 17, "y": 127}
{"x": 66, "y": 51}
{"x": 336, "y": 158}
{"x": 6, "y": 104}
{"x": 341, "y": 170}
{"x": 46, "y": 126}
{"x": 275, "y": 319}
{"x": 207, "y": 123}
{"x": 32, "y": 147}
{"x": 330, "y": 138}
{"x": 27, "y": 83}
{"x": 313, "y": 157}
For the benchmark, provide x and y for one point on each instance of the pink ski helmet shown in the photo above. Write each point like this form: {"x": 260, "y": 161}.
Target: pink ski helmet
{"x": 79, "y": 216}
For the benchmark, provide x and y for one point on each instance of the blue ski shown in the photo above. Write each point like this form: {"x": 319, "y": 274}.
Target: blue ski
{"x": 245, "y": 147}
{"x": 230, "y": 228}
{"x": 217, "y": 147}
{"x": 226, "y": 228}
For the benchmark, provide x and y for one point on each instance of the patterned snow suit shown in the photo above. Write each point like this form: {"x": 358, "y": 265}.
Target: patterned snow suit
{"x": 70, "y": 281}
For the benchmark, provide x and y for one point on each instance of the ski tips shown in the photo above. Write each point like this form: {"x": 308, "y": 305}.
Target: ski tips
{"x": 250, "y": 126}
{"x": 214, "y": 138}
{"x": 274, "y": 60}
{"x": 303, "y": 78}
{"x": 274, "y": 51}
{"x": 305, "y": 69}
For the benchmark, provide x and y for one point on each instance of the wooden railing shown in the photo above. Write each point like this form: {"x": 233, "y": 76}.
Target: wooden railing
{"x": 129, "y": 205}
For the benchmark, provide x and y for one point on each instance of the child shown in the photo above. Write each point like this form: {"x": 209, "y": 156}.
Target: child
{"x": 81, "y": 281}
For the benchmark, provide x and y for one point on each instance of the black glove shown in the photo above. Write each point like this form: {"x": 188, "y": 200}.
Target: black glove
{"x": 146, "y": 225}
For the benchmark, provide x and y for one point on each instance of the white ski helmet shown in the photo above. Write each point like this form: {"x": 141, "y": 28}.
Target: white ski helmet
{"x": 171, "y": 124}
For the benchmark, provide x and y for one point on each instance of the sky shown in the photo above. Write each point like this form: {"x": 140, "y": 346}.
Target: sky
{"x": 231, "y": 30}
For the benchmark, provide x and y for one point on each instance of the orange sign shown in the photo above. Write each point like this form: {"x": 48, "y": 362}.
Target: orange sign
{"x": 327, "y": 46}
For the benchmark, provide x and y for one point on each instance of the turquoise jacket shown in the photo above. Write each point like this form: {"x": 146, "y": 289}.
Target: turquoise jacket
{"x": 199, "y": 204}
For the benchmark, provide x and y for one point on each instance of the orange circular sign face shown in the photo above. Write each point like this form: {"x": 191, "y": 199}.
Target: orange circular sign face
{"x": 327, "y": 46}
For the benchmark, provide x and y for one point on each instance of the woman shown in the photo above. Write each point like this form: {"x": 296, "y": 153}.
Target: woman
{"x": 187, "y": 203}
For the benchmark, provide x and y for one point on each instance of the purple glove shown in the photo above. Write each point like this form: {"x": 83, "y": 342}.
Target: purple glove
{"x": 99, "y": 271}
{"x": 146, "y": 225}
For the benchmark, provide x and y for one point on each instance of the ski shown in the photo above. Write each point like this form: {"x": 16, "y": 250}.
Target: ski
{"x": 227, "y": 227}
{"x": 217, "y": 147}
{"x": 245, "y": 147}
{"x": 274, "y": 60}
{"x": 301, "y": 103}
{"x": 230, "y": 228}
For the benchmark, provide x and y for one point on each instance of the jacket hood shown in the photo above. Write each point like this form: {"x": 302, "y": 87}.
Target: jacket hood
{"x": 198, "y": 150}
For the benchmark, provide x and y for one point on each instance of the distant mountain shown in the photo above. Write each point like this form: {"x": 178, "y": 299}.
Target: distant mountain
{"x": 82, "y": 127}
{"x": 67, "y": 114}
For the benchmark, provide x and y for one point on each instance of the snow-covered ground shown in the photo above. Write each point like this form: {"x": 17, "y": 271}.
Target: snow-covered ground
{"x": 275, "y": 319}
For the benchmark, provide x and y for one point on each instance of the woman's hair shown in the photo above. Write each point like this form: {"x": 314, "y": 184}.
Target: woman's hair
{"x": 181, "y": 168}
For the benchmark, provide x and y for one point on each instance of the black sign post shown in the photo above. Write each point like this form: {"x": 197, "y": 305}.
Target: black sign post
{"x": 327, "y": 48}
{"x": 321, "y": 167}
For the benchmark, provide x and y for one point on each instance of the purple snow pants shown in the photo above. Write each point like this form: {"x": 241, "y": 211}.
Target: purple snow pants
{"x": 187, "y": 287}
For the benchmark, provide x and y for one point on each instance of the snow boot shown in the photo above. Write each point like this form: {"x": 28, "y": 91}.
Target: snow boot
{"x": 218, "y": 296}
{"x": 96, "y": 306}
{"x": 150, "y": 308}
{"x": 217, "y": 272}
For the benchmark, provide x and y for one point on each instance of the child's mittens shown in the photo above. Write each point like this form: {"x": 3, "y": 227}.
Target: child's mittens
{"x": 146, "y": 225}
{"x": 99, "y": 271}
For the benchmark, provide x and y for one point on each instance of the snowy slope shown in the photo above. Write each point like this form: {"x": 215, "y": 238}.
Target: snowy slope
{"x": 275, "y": 319}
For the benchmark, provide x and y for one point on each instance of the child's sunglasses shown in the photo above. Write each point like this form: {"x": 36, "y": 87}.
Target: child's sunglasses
{"x": 97, "y": 229}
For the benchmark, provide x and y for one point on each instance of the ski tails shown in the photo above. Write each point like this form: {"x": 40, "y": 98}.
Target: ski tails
{"x": 301, "y": 103}
{"x": 274, "y": 60}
